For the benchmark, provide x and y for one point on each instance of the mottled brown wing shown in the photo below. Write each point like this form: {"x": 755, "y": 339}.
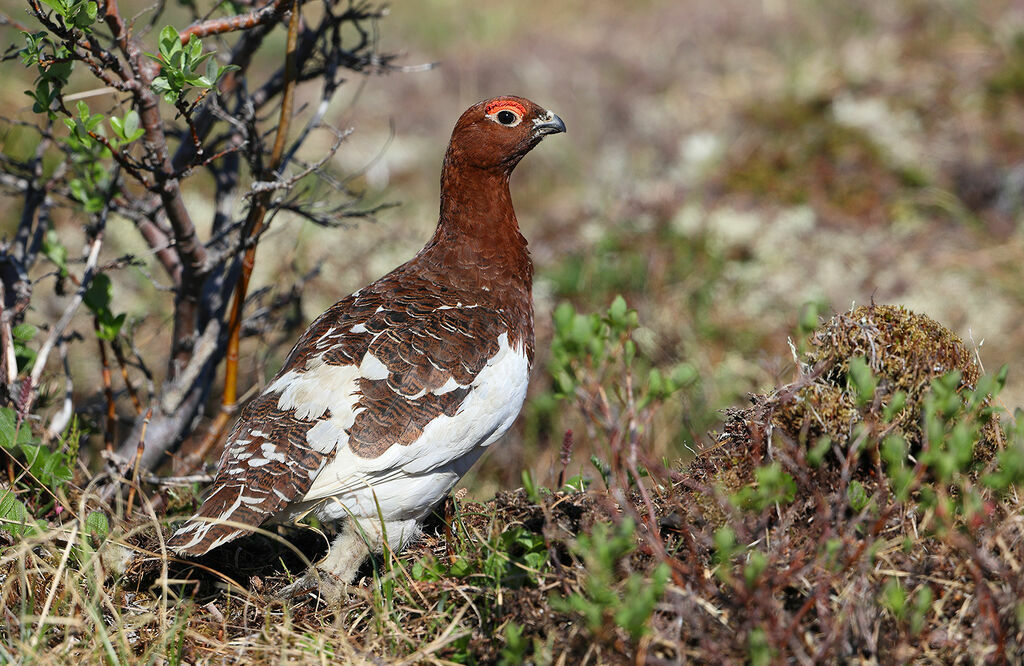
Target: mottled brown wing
{"x": 267, "y": 462}
{"x": 427, "y": 355}
{"x": 431, "y": 359}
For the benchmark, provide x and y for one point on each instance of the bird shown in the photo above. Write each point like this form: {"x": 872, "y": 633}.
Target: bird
{"x": 393, "y": 393}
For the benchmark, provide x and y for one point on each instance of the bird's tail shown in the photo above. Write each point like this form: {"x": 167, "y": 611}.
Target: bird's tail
{"x": 226, "y": 515}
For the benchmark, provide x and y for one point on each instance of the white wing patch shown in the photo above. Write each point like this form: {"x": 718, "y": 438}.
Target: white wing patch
{"x": 372, "y": 368}
{"x": 319, "y": 388}
{"x": 496, "y": 396}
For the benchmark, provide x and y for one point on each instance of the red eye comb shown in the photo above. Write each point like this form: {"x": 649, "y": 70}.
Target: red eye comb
{"x": 502, "y": 104}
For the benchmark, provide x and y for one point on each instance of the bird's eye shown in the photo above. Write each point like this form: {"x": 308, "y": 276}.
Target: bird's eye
{"x": 506, "y": 117}
{"x": 507, "y": 112}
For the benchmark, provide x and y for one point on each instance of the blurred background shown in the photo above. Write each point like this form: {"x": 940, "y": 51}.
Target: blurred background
{"x": 735, "y": 169}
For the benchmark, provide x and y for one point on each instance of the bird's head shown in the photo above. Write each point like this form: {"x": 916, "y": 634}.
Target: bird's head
{"x": 496, "y": 133}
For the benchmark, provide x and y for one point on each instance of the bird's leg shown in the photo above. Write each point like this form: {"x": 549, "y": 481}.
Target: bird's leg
{"x": 449, "y": 539}
{"x": 355, "y": 542}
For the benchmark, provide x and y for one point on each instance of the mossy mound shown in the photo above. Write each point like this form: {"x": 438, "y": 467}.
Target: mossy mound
{"x": 904, "y": 349}
{"x": 905, "y": 352}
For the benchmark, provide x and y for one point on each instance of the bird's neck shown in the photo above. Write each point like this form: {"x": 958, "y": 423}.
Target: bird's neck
{"x": 477, "y": 236}
{"x": 477, "y": 205}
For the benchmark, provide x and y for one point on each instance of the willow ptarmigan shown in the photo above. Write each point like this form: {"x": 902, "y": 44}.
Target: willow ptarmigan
{"x": 392, "y": 394}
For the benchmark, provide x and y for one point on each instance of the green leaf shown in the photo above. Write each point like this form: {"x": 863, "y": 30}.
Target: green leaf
{"x": 117, "y": 125}
{"x": 461, "y": 567}
{"x": 564, "y": 316}
{"x": 684, "y": 374}
{"x": 894, "y": 597}
{"x": 15, "y": 518}
{"x": 194, "y": 47}
{"x": 530, "y": 487}
{"x": 516, "y": 646}
{"x": 755, "y": 566}
{"x": 97, "y": 296}
{"x": 896, "y": 404}
{"x": 132, "y": 130}
{"x": 97, "y": 525}
{"x": 857, "y": 495}
{"x": 169, "y": 41}
{"x": 11, "y": 436}
{"x": 110, "y": 327}
{"x": 820, "y": 449}
{"x": 758, "y": 648}
{"x": 617, "y": 310}
{"x": 49, "y": 468}
{"x": 862, "y": 380}
{"x": 24, "y": 332}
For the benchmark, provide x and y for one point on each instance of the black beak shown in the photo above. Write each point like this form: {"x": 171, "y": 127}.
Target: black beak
{"x": 549, "y": 124}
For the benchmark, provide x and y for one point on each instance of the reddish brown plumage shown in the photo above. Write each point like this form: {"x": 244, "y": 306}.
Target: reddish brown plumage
{"x": 433, "y": 324}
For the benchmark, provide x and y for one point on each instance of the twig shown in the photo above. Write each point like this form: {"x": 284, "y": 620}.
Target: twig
{"x": 9, "y": 360}
{"x": 135, "y": 468}
{"x": 186, "y": 480}
{"x": 123, "y": 365}
{"x": 69, "y": 312}
{"x": 61, "y": 419}
{"x": 108, "y": 391}
{"x": 266, "y": 14}
{"x": 53, "y": 586}
{"x": 257, "y": 215}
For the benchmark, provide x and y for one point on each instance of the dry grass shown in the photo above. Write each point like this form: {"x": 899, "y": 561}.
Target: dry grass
{"x": 771, "y": 545}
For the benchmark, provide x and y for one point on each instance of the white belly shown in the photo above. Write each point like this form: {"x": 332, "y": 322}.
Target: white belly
{"x": 406, "y": 482}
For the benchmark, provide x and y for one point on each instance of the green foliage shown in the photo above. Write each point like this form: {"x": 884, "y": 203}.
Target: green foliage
{"x": 817, "y": 453}
{"x": 601, "y": 601}
{"x": 516, "y": 647}
{"x": 809, "y": 317}
{"x": 894, "y": 598}
{"x": 53, "y": 64}
{"x": 921, "y": 607}
{"x": 576, "y": 484}
{"x": 15, "y": 518}
{"x": 180, "y": 65}
{"x": 96, "y": 525}
{"x": 897, "y": 402}
{"x": 510, "y": 558}
{"x": 772, "y": 486}
{"x": 127, "y": 129}
{"x": 79, "y": 14}
{"x": 46, "y": 472}
{"x": 55, "y": 251}
{"x": 758, "y": 648}
{"x": 604, "y": 470}
{"x": 725, "y": 549}
{"x": 97, "y": 298}
{"x": 894, "y": 452}
{"x": 22, "y": 335}
{"x": 90, "y": 156}
{"x": 596, "y": 363}
{"x": 1009, "y": 472}
{"x": 862, "y": 380}
{"x": 757, "y": 562}
{"x": 857, "y": 496}
{"x": 599, "y": 348}
{"x": 953, "y": 422}
{"x": 530, "y": 487}
{"x": 50, "y": 469}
